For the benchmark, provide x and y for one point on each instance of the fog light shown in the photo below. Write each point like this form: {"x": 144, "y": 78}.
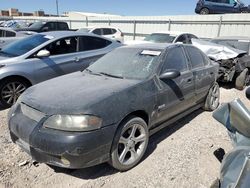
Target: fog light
{"x": 65, "y": 161}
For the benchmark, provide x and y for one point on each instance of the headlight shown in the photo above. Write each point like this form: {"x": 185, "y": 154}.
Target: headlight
{"x": 73, "y": 122}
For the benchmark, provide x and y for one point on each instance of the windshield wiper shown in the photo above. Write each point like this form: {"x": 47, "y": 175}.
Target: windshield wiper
{"x": 110, "y": 75}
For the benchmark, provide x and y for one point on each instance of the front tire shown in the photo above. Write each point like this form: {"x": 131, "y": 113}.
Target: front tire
{"x": 213, "y": 98}
{"x": 10, "y": 90}
{"x": 204, "y": 11}
{"x": 130, "y": 144}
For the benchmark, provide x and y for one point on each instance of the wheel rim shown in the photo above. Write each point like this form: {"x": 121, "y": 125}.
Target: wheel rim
{"x": 12, "y": 91}
{"x": 204, "y": 11}
{"x": 132, "y": 144}
{"x": 215, "y": 97}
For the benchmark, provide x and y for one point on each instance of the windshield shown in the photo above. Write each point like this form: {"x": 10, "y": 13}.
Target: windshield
{"x": 37, "y": 25}
{"x": 23, "y": 46}
{"x": 130, "y": 63}
{"x": 238, "y": 44}
{"x": 160, "y": 38}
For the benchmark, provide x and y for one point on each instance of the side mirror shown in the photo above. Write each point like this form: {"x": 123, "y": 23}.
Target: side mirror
{"x": 45, "y": 29}
{"x": 170, "y": 74}
{"x": 43, "y": 53}
{"x": 248, "y": 93}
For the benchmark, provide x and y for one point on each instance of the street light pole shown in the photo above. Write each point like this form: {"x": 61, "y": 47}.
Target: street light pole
{"x": 57, "y": 9}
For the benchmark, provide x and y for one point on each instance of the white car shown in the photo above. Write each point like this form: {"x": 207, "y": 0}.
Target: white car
{"x": 165, "y": 37}
{"x": 8, "y": 35}
{"x": 109, "y": 32}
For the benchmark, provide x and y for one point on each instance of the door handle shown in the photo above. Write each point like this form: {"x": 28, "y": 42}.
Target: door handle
{"x": 77, "y": 59}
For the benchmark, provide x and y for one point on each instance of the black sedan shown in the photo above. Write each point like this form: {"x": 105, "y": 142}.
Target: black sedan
{"x": 107, "y": 112}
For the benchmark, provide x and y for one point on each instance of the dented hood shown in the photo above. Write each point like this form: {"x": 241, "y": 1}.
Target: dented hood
{"x": 217, "y": 52}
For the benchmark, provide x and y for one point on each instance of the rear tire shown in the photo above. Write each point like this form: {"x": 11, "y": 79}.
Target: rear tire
{"x": 130, "y": 144}
{"x": 10, "y": 90}
{"x": 204, "y": 11}
{"x": 213, "y": 98}
{"x": 242, "y": 80}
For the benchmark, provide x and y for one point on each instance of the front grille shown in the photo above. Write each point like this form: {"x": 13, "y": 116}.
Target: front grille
{"x": 31, "y": 113}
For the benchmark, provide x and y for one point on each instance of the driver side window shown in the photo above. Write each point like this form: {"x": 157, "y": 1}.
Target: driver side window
{"x": 176, "y": 60}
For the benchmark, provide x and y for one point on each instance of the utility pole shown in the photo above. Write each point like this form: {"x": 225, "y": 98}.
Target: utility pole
{"x": 57, "y": 9}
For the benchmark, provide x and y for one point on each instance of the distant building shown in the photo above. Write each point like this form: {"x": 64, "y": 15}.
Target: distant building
{"x": 15, "y": 13}
{"x": 4, "y": 13}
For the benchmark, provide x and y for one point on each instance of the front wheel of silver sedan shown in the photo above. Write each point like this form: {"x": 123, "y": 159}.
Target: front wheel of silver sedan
{"x": 10, "y": 90}
{"x": 130, "y": 144}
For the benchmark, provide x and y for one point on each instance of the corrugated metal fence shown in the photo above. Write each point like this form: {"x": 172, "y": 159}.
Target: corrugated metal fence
{"x": 205, "y": 26}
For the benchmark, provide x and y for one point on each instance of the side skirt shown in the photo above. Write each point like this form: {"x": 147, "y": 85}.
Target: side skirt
{"x": 174, "y": 119}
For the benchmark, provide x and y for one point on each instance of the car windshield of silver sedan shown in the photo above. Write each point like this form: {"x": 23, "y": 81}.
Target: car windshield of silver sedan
{"x": 128, "y": 63}
{"x": 160, "y": 38}
{"x": 23, "y": 46}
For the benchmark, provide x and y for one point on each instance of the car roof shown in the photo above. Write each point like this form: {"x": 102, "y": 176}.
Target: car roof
{"x": 7, "y": 29}
{"x": 98, "y": 27}
{"x": 171, "y": 32}
{"x": 61, "y": 34}
{"x": 232, "y": 38}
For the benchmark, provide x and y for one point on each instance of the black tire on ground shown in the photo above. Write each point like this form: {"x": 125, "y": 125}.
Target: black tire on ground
{"x": 129, "y": 144}
{"x": 242, "y": 80}
{"x": 20, "y": 86}
{"x": 244, "y": 12}
{"x": 204, "y": 11}
{"x": 213, "y": 98}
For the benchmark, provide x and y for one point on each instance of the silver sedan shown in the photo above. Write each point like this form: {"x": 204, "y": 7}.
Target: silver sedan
{"x": 44, "y": 56}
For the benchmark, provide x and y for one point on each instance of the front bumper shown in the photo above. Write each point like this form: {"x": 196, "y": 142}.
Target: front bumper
{"x": 59, "y": 148}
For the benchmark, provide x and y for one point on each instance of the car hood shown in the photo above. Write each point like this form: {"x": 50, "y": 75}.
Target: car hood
{"x": 74, "y": 93}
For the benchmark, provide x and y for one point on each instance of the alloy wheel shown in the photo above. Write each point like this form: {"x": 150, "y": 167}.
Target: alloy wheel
{"x": 132, "y": 143}
{"x": 11, "y": 91}
{"x": 215, "y": 97}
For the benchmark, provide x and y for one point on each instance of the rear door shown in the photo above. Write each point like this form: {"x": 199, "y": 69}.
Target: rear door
{"x": 175, "y": 96}
{"x": 203, "y": 72}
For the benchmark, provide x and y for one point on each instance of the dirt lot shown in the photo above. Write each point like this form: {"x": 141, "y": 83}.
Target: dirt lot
{"x": 178, "y": 156}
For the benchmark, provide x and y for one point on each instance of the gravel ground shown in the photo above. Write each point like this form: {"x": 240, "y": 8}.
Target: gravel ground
{"x": 178, "y": 156}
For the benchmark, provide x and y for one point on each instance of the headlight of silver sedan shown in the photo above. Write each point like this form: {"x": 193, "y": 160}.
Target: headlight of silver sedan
{"x": 73, "y": 123}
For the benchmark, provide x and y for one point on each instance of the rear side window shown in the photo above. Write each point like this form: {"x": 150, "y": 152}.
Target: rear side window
{"x": 1, "y": 33}
{"x": 175, "y": 59}
{"x": 62, "y": 26}
{"x": 113, "y": 31}
{"x": 10, "y": 34}
{"x": 97, "y": 32}
{"x": 51, "y": 26}
{"x": 182, "y": 39}
{"x": 196, "y": 57}
{"x": 87, "y": 43}
{"x": 107, "y": 31}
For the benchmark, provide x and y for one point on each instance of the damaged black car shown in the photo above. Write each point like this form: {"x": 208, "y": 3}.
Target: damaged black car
{"x": 107, "y": 112}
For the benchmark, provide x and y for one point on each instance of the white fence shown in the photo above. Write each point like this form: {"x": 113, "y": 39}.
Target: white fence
{"x": 204, "y": 26}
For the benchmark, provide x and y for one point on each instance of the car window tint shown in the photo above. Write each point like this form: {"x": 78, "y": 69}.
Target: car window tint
{"x": 62, "y": 26}
{"x": 196, "y": 57}
{"x": 182, "y": 39}
{"x": 97, "y": 32}
{"x": 63, "y": 46}
{"x": 175, "y": 59}
{"x": 92, "y": 43}
{"x": 113, "y": 31}
{"x": 51, "y": 26}
{"x": 1, "y": 33}
{"x": 10, "y": 34}
{"x": 107, "y": 31}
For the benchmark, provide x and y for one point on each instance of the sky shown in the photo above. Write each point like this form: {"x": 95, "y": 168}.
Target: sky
{"x": 120, "y": 7}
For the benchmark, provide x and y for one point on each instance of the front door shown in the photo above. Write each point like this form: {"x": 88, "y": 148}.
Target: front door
{"x": 175, "y": 96}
